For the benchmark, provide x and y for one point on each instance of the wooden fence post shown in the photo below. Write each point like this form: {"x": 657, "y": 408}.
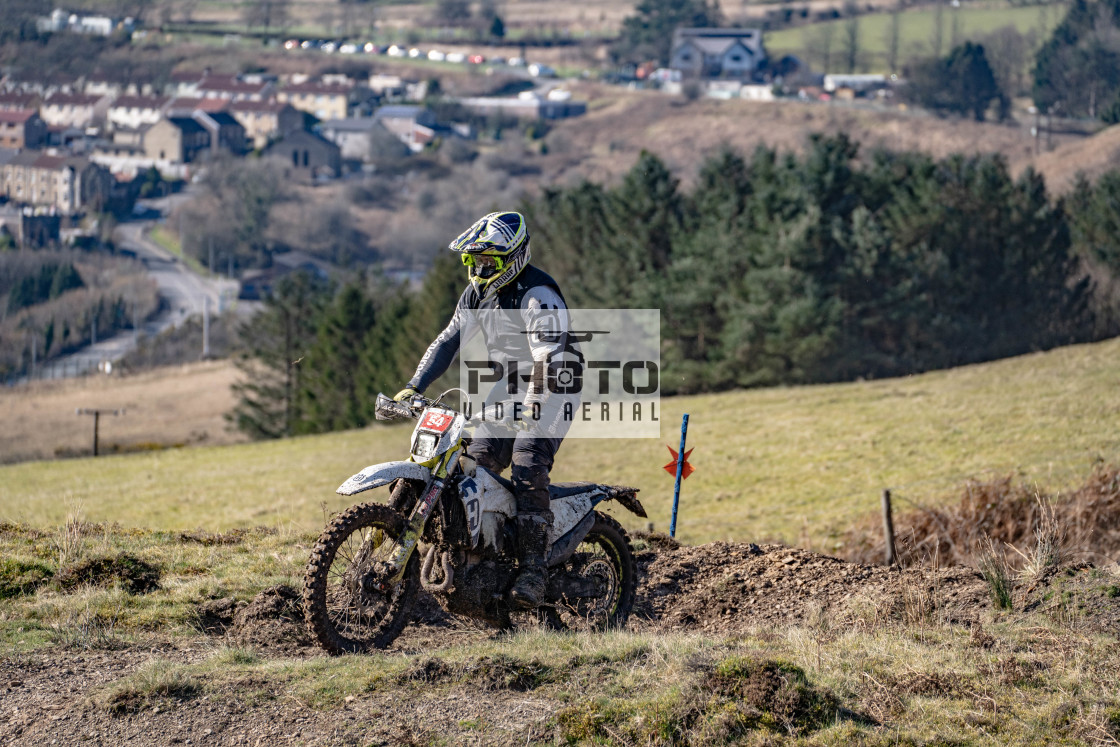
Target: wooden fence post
{"x": 888, "y": 528}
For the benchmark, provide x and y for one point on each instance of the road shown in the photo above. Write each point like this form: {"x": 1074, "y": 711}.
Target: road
{"x": 185, "y": 294}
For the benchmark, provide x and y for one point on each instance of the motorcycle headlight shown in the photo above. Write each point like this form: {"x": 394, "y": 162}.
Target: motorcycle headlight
{"x": 425, "y": 446}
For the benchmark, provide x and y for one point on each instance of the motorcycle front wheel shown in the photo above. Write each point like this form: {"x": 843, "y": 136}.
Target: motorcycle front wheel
{"x": 348, "y": 603}
{"x": 605, "y": 559}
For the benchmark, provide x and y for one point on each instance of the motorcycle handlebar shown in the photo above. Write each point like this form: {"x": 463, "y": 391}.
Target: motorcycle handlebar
{"x": 389, "y": 409}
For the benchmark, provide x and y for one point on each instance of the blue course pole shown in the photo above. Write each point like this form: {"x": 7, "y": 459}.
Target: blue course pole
{"x": 680, "y": 469}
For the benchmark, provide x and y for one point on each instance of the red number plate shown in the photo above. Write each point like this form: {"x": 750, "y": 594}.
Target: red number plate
{"x": 436, "y": 421}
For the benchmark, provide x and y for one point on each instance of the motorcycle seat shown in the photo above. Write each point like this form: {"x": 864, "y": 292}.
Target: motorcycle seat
{"x": 558, "y": 490}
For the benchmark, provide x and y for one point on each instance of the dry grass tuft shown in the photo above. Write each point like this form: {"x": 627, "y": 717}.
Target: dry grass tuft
{"x": 68, "y": 537}
{"x": 993, "y": 567}
{"x": 1049, "y": 550}
{"x": 89, "y": 628}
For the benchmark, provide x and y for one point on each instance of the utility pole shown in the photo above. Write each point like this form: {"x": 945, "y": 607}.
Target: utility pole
{"x": 93, "y": 327}
{"x": 96, "y": 420}
{"x": 205, "y": 327}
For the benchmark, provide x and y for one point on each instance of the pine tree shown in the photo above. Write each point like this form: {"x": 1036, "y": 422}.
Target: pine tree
{"x": 277, "y": 340}
{"x": 336, "y": 390}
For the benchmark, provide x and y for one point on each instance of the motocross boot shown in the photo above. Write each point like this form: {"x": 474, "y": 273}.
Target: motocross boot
{"x": 532, "y": 537}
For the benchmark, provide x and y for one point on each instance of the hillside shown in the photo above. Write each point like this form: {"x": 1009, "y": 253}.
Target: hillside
{"x": 619, "y": 125}
{"x": 792, "y": 464}
{"x": 168, "y": 407}
{"x": 1092, "y": 157}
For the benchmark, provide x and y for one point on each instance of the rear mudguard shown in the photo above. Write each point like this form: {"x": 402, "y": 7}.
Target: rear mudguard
{"x": 377, "y": 475}
{"x": 571, "y": 511}
{"x": 574, "y": 515}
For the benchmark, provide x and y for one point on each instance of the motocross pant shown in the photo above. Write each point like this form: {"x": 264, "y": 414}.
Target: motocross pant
{"x": 531, "y": 459}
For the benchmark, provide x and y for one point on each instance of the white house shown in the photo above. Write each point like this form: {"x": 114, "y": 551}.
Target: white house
{"x": 135, "y": 112}
{"x": 717, "y": 53}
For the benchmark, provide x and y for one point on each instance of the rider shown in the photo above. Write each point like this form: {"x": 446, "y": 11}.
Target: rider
{"x": 496, "y": 252}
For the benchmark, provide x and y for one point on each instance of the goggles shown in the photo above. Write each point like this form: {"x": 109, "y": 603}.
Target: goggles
{"x": 484, "y": 263}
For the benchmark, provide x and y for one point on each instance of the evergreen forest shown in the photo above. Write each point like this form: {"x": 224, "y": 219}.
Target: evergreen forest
{"x": 770, "y": 269}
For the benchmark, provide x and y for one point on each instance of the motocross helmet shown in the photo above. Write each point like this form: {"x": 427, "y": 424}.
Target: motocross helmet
{"x": 495, "y": 249}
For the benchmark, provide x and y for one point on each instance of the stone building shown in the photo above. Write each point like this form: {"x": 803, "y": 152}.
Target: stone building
{"x": 68, "y": 184}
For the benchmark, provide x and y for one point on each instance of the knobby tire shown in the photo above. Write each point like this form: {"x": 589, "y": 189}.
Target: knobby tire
{"x": 326, "y": 567}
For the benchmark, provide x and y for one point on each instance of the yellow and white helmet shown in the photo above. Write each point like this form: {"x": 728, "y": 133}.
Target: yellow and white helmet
{"x": 495, "y": 249}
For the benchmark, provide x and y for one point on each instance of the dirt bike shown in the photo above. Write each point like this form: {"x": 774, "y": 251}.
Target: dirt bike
{"x": 366, "y": 571}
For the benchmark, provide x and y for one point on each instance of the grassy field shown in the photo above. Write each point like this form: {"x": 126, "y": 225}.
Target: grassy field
{"x": 168, "y": 407}
{"x": 915, "y": 32}
{"x": 795, "y": 464}
{"x": 878, "y": 668}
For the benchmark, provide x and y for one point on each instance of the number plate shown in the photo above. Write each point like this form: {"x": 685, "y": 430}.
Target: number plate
{"x": 436, "y": 421}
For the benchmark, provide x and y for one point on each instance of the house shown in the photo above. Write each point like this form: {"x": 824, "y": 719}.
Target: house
{"x": 325, "y": 101}
{"x": 61, "y": 20}
{"x": 415, "y": 126}
{"x": 717, "y": 53}
{"x": 97, "y": 86}
{"x": 18, "y": 100}
{"x": 528, "y": 105}
{"x": 353, "y": 136}
{"x": 184, "y": 83}
{"x": 226, "y": 133}
{"x": 67, "y": 184}
{"x": 137, "y": 82}
{"x": 855, "y": 84}
{"x": 176, "y": 140}
{"x": 386, "y": 86}
{"x": 74, "y": 109}
{"x": 308, "y": 154}
{"x": 265, "y": 121}
{"x": 186, "y": 106}
{"x": 232, "y": 88}
{"x": 22, "y": 128}
{"x": 68, "y": 137}
{"x": 135, "y": 112}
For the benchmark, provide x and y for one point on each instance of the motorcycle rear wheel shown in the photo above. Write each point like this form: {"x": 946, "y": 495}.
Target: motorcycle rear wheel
{"x": 344, "y": 609}
{"x": 605, "y": 556}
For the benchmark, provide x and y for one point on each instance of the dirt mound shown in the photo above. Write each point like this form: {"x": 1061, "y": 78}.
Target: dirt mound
{"x": 1008, "y": 512}
{"x": 721, "y": 702}
{"x": 133, "y": 574}
{"x": 724, "y": 587}
{"x": 209, "y": 539}
{"x": 216, "y": 615}
{"x": 273, "y": 620}
{"x": 488, "y": 673}
{"x": 1087, "y": 596}
{"x": 19, "y": 577}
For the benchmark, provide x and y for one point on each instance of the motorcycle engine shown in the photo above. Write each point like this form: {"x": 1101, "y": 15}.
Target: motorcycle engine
{"x": 479, "y": 589}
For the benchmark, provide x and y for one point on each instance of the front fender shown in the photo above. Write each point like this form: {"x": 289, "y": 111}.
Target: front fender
{"x": 377, "y": 475}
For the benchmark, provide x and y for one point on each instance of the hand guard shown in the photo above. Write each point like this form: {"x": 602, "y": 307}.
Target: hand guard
{"x": 406, "y": 393}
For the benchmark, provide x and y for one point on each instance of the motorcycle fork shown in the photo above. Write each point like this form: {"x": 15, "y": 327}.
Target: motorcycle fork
{"x": 406, "y": 543}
